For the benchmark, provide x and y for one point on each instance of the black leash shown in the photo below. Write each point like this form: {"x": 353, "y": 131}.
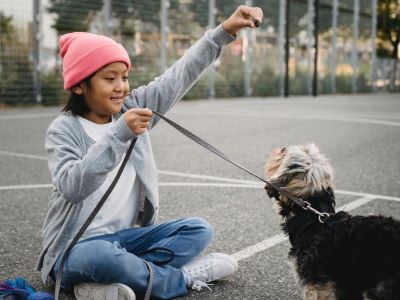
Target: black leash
{"x": 322, "y": 217}
{"x": 304, "y": 204}
{"x": 87, "y": 223}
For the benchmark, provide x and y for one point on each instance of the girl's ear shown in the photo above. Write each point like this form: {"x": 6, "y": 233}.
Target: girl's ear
{"x": 79, "y": 89}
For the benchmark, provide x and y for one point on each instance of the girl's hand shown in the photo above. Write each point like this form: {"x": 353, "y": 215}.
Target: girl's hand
{"x": 138, "y": 119}
{"x": 244, "y": 16}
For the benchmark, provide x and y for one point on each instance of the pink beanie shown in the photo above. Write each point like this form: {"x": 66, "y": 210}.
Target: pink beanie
{"x": 84, "y": 53}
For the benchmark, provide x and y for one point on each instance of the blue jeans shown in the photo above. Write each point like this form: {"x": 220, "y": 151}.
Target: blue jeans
{"x": 116, "y": 257}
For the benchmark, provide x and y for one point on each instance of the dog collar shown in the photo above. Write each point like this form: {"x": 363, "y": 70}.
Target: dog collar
{"x": 296, "y": 224}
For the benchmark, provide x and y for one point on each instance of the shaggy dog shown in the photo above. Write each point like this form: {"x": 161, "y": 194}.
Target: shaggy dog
{"x": 346, "y": 257}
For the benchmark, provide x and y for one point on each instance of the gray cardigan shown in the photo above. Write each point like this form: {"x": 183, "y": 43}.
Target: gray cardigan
{"x": 79, "y": 166}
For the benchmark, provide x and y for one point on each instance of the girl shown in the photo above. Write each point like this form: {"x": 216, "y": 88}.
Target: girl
{"x": 85, "y": 146}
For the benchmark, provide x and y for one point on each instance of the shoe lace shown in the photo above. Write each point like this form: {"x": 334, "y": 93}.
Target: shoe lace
{"x": 201, "y": 273}
{"x": 198, "y": 285}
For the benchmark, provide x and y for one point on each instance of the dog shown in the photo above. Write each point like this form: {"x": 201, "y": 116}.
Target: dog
{"x": 345, "y": 257}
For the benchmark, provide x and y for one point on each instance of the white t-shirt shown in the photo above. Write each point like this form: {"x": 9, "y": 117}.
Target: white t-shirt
{"x": 118, "y": 211}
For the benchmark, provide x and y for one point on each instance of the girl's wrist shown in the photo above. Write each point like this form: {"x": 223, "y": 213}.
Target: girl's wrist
{"x": 228, "y": 28}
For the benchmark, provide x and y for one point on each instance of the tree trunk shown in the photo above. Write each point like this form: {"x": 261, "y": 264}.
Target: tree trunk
{"x": 393, "y": 77}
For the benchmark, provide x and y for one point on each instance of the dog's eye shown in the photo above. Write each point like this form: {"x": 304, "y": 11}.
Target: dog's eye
{"x": 283, "y": 150}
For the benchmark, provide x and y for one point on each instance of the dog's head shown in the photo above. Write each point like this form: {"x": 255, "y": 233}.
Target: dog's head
{"x": 301, "y": 171}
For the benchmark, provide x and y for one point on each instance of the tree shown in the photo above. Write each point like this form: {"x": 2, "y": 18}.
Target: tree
{"x": 389, "y": 25}
{"x": 73, "y": 15}
{"x": 6, "y": 30}
{"x": 298, "y": 12}
{"x": 16, "y": 87}
{"x": 76, "y": 15}
{"x": 388, "y": 33}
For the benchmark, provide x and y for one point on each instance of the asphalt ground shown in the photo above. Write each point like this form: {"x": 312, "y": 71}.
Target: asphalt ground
{"x": 360, "y": 134}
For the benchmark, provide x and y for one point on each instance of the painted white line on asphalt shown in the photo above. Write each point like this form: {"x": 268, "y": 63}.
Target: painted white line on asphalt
{"x": 310, "y": 116}
{"x": 280, "y": 238}
{"x": 26, "y": 186}
{"x": 356, "y": 203}
{"x": 27, "y": 116}
{"x": 182, "y": 184}
{"x": 341, "y": 192}
{"x": 225, "y": 179}
{"x": 207, "y": 184}
{"x": 8, "y": 153}
{"x": 247, "y": 183}
{"x": 259, "y": 247}
{"x": 258, "y": 184}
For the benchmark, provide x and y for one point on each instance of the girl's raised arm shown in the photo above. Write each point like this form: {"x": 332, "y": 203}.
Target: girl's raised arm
{"x": 166, "y": 90}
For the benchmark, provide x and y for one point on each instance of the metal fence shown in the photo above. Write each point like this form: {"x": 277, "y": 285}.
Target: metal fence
{"x": 278, "y": 58}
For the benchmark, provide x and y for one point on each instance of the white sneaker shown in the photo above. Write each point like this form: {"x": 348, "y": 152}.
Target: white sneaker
{"x": 208, "y": 268}
{"x": 98, "y": 291}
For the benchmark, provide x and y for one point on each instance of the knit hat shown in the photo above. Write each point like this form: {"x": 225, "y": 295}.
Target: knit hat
{"x": 84, "y": 53}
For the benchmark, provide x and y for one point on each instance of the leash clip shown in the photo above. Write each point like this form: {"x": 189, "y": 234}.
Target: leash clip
{"x": 322, "y": 217}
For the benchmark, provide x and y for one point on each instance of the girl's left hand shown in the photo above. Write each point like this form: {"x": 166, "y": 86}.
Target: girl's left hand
{"x": 244, "y": 16}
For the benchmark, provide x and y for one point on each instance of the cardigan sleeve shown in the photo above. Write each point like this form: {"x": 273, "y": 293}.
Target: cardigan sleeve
{"x": 77, "y": 174}
{"x": 166, "y": 90}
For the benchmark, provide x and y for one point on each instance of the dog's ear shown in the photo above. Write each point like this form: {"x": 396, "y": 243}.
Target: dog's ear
{"x": 271, "y": 192}
{"x": 323, "y": 201}
{"x": 331, "y": 195}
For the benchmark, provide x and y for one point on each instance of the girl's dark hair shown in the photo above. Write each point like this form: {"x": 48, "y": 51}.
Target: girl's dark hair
{"x": 76, "y": 103}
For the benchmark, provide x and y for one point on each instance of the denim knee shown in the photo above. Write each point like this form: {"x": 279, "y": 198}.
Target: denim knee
{"x": 203, "y": 227}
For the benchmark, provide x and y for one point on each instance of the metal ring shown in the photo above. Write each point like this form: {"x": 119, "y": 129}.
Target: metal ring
{"x": 323, "y": 217}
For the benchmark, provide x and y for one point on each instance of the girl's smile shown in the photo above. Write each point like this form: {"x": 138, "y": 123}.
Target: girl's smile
{"x": 117, "y": 99}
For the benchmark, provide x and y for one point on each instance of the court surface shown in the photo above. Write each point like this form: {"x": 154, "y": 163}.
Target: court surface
{"x": 360, "y": 134}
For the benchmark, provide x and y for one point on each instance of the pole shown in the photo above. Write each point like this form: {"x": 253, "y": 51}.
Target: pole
{"x": 164, "y": 35}
{"x": 281, "y": 47}
{"x": 334, "y": 45}
{"x": 354, "y": 52}
{"x": 249, "y": 58}
{"x": 316, "y": 30}
{"x": 373, "y": 42}
{"x": 287, "y": 48}
{"x": 211, "y": 71}
{"x": 309, "y": 44}
{"x": 107, "y": 17}
{"x": 36, "y": 51}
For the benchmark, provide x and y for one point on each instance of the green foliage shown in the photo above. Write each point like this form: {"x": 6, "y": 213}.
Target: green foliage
{"x": 389, "y": 26}
{"x": 16, "y": 84}
{"x": 138, "y": 10}
{"x": 53, "y": 92}
{"x": 127, "y": 15}
{"x": 6, "y": 30}
{"x": 76, "y": 15}
{"x": 224, "y": 8}
{"x": 6, "y": 26}
{"x": 73, "y": 15}
{"x": 298, "y": 13}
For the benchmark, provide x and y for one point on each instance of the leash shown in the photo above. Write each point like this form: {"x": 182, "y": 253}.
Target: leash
{"x": 90, "y": 219}
{"x": 87, "y": 223}
{"x": 322, "y": 216}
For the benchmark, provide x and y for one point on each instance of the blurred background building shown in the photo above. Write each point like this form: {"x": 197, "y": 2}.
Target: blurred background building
{"x": 353, "y": 43}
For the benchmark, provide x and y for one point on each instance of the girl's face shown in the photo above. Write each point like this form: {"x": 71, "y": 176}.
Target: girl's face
{"x": 107, "y": 91}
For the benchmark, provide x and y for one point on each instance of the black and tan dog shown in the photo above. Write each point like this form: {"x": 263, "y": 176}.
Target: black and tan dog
{"x": 347, "y": 257}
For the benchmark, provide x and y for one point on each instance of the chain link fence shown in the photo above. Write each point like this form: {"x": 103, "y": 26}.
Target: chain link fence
{"x": 157, "y": 32}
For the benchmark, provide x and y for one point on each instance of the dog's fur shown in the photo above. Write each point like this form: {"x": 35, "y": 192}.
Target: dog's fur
{"x": 347, "y": 257}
